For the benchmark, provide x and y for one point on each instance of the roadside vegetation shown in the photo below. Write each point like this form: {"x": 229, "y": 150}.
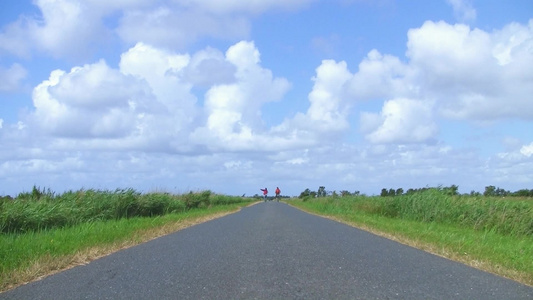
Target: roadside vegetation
{"x": 42, "y": 232}
{"x": 489, "y": 231}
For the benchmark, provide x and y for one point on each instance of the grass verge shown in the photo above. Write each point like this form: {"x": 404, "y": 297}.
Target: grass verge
{"x": 34, "y": 255}
{"x": 488, "y": 250}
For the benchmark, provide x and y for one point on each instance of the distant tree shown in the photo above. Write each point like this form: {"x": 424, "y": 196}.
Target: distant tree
{"x": 321, "y": 191}
{"x": 489, "y": 191}
{"x": 345, "y": 193}
{"x": 305, "y": 193}
{"x": 399, "y": 192}
{"x": 454, "y": 190}
{"x": 392, "y": 192}
{"x": 474, "y": 193}
{"x": 501, "y": 192}
{"x": 523, "y": 193}
{"x": 356, "y": 193}
{"x": 384, "y": 192}
{"x": 451, "y": 190}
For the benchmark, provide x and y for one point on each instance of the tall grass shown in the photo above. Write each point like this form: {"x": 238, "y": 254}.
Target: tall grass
{"x": 509, "y": 217}
{"x": 44, "y": 209}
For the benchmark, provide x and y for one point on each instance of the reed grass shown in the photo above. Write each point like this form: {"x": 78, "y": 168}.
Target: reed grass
{"x": 44, "y": 209}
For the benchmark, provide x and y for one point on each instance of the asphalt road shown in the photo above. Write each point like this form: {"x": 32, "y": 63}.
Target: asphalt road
{"x": 272, "y": 251}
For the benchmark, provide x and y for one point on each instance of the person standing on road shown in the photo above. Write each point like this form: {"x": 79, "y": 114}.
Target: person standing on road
{"x": 278, "y": 191}
{"x": 265, "y": 193}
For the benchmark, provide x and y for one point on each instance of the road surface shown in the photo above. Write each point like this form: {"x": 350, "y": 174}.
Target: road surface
{"x": 272, "y": 251}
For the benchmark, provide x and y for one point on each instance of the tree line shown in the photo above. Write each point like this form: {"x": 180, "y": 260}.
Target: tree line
{"x": 453, "y": 190}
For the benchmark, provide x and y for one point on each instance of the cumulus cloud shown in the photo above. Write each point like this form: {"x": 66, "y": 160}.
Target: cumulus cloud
{"x": 10, "y": 77}
{"x": 328, "y": 112}
{"x": 463, "y": 10}
{"x": 401, "y": 121}
{"x": 90, "y": 101}
{"x": 475, "y": 75}
{"x": 382, "y": 76}
{"x": 329, "y": 107}
{"x": 452, "y": 70}
{"x": 234, "y": 110}
{"x": 65, "y": 28}
{"x": 209, "y": 67}
{"x": 77, "y": 29}
{"x": 68, "y": 27}
{"x": 147, "y": 103}
{"x": 527, "y": 150}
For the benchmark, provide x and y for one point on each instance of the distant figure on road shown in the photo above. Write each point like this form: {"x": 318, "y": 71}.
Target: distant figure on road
{"x": 278, "y": 191}
{"x": 265, "y": 193}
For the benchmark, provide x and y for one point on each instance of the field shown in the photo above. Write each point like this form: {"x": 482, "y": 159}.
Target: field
{"x": 490, "y": 233}
{"x": 42, "y": 232}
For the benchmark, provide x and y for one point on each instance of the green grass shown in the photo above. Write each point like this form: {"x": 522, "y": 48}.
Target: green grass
{"x": 492, "y": 234}
{"x": 43, "y": 209}
{"x": 42, "y": 232}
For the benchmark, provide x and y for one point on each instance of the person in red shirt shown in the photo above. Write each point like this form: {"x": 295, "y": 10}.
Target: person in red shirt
{"x": 278, "y": 191}
{"x": 265, "y": 193}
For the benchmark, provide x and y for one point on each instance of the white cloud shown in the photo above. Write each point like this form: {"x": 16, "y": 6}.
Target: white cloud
{"x": 69, "y": 27}
{"x": 180, "y": 23}
{"x": 14, "y": 38}
{"x": 75, "y": 28}
{"x": 162, "y": 70}
{"x": 382, "y": 76}
{"x": 527, "y": 150}
{"x": 209, "y": 67}
{"x": 448, "y": 53}
{"x": 234, "y": 110}
{"x": 401, "y": 121}
{"x": 466, "y": 74}
{"x": 473, "y": 74}
{"x": 10, "y": 78}
{"x": 64, "y": 28}
{"x": 176, "y": 28}
{"x": 463, "y": 10}
{"x": 233, "y": 6}
{"x": 90, "y": 101}
{"x": 147, "y": 103}
{"x": 329, "y": 107}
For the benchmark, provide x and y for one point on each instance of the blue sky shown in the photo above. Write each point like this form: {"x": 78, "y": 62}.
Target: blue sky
{"x": 233, "y": 96}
